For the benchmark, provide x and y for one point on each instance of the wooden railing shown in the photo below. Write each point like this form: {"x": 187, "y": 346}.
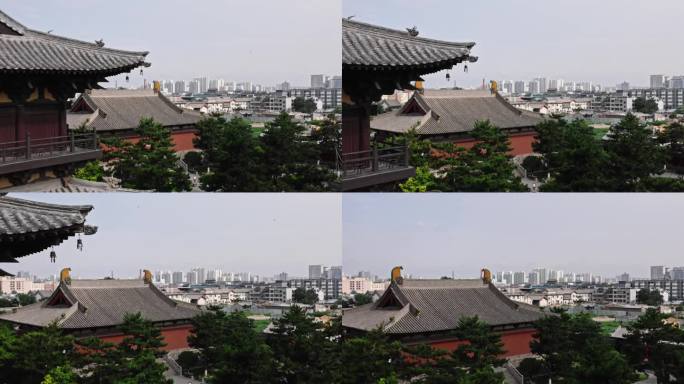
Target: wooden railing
{"x": 28, "y": 149}
{"x": 352, "y": 164}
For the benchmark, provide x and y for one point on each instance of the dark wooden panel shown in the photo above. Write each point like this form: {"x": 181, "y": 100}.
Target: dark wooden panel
{"x": 42, "y": 121}
{"x": 7, "y": 124}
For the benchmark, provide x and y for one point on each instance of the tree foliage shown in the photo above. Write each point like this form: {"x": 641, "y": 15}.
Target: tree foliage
{"x": 572, "y": 349}
{"x": 304, "y": 296}
{"x": 281, "y": 159}
{"x": 92, "y": 171}
{"x": 644, "y": 105}
{"x": 630, "y": 159}
{"x": 230, "y": 348}
{"x": 300, "y": 104}
{"x": 133, "y": 360}
{"x": 655, "y": 344}
{"x": 648, "y": 297}
{"x": 150, "y": 163}
{"x": 485, "y": 167}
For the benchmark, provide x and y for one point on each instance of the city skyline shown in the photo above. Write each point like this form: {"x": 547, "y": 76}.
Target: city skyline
{"x": 264, "y": 234}
{"x": 527, "y": 39}
{"x": 234, "y": 41}
{"x": 602, "y": 234}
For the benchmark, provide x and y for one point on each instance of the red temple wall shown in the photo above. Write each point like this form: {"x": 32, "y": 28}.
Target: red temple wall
{"x": 521, "y": 144}
{"x": 516, "y": 342}
{"x": 175, "y": 337}
{"x": 182, "y": 140}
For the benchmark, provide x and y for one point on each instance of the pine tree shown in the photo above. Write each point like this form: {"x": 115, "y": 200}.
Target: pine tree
{"x": 150, "y": 163}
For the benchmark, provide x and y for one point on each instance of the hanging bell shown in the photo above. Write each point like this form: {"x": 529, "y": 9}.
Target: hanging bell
{"x": 448, "y": 76}
{"x": 53, "y": 256}
{"x": 465, "y": 68}
{"x": 79, "y": 245}
{"x": 141, "y": 72}
{"x": 127, "y": 79}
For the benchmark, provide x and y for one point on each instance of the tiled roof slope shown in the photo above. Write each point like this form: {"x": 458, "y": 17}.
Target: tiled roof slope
{"x": 19, "y": 216}
{"x": 454, "y": 111}
{"x": 422, "y": 306}
{"x": 115, "y": 109}
{"x": 366, "y": 46}
{"x": 29, "y": 51}
{"x": 102, "y": 303}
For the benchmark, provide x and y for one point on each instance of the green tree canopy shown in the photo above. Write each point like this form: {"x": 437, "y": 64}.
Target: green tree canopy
{"x": 634, "y": 154}
{"x": 231, "y": 350}
{"x": 648, "y": 297}
{"x": 485, "y": 167}
{"x": 644, "y": 105}
{"x": 654, "y": 344}
{"x": 282, "y": 159}
{"x": 149, "y": 164}
{"x": 304, "y": 296}
{"x": 300, "y": 104}
{"x": 574, "y": 158}
{"x": 572, "y": 349}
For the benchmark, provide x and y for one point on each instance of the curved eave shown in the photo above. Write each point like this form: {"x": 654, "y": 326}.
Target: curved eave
{"x": 422, "y": 69}
{"x": 103, "y": 73}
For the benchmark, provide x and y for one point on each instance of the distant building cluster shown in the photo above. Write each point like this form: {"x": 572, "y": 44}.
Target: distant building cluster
{"x": 221, "y": 96}
{"x": 547, "y": 287}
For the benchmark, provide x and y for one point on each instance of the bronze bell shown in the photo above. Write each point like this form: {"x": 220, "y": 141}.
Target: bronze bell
{"x": 53, "y": 256}
{"x": 448, "y": 76}
{"x": 79, "y": 244}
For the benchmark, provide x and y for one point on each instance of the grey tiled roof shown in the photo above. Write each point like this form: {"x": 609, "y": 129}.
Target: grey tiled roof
{"x": 37, "y": 52}
{"x": 366, "y": 46}
{"x": 19, "y": 216}
{"x": 456, "y": 111}
{"x": 115, "y": 110}
{"x": 66, "y": 184}
{"x": 438, "y": 305}
{"x": 103, "y": 303}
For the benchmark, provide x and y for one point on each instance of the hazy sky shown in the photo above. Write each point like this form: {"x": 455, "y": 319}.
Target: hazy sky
{"x": 431, "y": 235}
{"x": 260, "y": 233}
{"x": 265, "y": 41}
{"x": 606, "y": 41}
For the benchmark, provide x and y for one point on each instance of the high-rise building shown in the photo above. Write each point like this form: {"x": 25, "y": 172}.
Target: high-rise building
{"x": 335, "y": 82}
{"x": 542, "y": 274}
{"x": 519, "y": 87}
{"x": 533, "y": 278}
{"x": 543, "y": 84}
{"x": 177, "y": 278}
{"x": 317, "y": 81}
{"x": 202, "y": 83}
{"x": 624, "y": 86}
{"x": 623, "y": 277}
{"x": 519, "y": 278}
{"x": 335, "y": 272}
{"x": 315, "y": 271}
{"x": 533, "y": 86}
{"x": 677, "y": 273}
{"x": 677, "y": 82}
{"x": 194, "y": 87}
{"x": 284, "y": 86}
{"x": 657, "y": 81}
{"x": 191, "y": 278}
{"x": 657, "y": 272}
{"x": 179, "y": 87}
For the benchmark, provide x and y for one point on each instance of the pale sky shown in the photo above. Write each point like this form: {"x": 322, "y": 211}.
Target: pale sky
{"x": 264, "y": 41}
{"x": 431, "y": 235}
{"x": 260, "y": 233}
{"x": 606, "y": 41}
